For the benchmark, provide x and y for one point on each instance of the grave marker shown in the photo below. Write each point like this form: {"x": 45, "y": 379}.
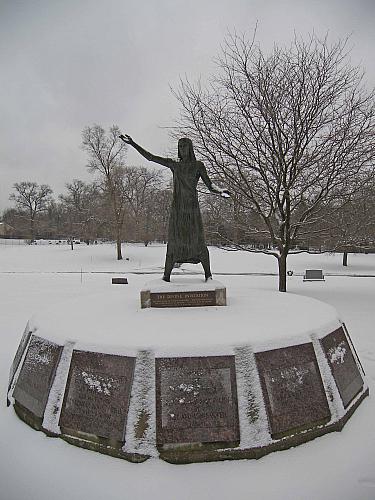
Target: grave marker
{"x": 343, "y": 366}
{"x": 37, "y": 374}
{"x": 119, "y": 281}
{"x": 292, "y": 389}
{"x": 313, "y": 275}
{"x": 97, "y": 396}
{"x": 196, "y": 400}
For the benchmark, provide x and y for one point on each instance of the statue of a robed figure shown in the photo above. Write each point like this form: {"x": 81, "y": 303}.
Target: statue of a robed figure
{"x": 186, "y": 241}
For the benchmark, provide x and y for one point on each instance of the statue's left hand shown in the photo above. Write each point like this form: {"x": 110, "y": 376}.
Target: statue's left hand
{"x": 126, "y": 138}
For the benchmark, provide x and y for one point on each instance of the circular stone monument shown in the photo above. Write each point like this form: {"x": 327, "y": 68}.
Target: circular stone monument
{"x": 265, "y": 372}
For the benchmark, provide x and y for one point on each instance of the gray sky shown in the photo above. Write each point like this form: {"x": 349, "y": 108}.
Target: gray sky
{"x": 68, "y": 64}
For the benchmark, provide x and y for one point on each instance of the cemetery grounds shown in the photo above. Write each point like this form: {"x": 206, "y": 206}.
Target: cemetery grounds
{"x": 34, "y": 467}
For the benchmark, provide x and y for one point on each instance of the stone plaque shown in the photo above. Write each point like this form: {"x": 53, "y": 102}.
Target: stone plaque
{"x": 343, "y": 366}
{"x": 37, "y": 374}
{"x": 292, "y": 388}
{"x": 314, "y": 274}
{"x": 119, "y": 281}
{"x": 20, "y": 350}
{"x": 196, "y": 400}
{"x": 97, "y": 395}
{"x": 183, "y": 299}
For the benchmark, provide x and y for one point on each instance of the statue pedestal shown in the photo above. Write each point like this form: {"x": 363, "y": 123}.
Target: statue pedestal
{"x": 270, "y": 371}
{"x": 182, "y": 292}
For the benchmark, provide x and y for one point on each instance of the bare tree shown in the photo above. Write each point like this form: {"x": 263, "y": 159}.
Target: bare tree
{"x": 161, "y": 203}
{"x": 32, "y": 199}
{"x": 80, "y": 207}
{"x": 15, "y": 218}
{"x": 141, "y": 186}
{"x": 290, "y": 132}
{"x": 351, "y": 227}
{"x": 106, "y": 154}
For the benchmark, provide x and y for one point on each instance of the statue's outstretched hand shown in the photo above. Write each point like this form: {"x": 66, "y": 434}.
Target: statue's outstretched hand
{"x": 126, "y": 138}
{"x": 225, "y": 193}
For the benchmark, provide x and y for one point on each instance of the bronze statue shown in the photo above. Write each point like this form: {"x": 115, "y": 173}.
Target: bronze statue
{"x": 185, "y": 233}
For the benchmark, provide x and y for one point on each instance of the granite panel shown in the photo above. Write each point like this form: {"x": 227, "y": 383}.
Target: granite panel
{"x": 97, "y": 395}
{"x": 196, "y": 400}
{"x": 37, "y": 374}
{"x": 183, "y": 299}
{"x": 343, "y": 366}
{"x": 292, "y": 388}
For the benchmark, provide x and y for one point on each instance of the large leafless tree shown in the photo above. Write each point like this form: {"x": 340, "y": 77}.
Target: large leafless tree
{"x": 106, "y": 153}
{"x": 290, "y": 132}
{"x": 31, "y": 199}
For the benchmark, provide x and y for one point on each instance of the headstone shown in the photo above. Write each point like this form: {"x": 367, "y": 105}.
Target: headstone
{"x": 20, "y": 350}
{"x": 196, "y": 400}
{"x": 343, "y": 366}
{"x": 97, "y": 395}
{"x": 313, "y": 275}
{"x": 37, "y": 374}
{"x": 292, "y": 388}
{"x": 119, "y": 281}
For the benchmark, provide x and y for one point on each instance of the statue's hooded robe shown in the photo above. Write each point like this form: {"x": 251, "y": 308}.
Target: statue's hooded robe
{"x": 185, "y": 234}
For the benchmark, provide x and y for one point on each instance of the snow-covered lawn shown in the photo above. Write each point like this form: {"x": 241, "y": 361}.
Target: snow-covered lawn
{"x": 34, "y": 467}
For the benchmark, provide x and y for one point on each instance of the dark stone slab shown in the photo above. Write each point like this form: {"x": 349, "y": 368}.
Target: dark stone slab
{"x": 292, "y": 388}
{"x": 188, "y": 294}
{"x": 97, "y": 396}
{"x": 196, "y": 400}
{"x": 20, "y": 350}
{"x": 313, "y": 275}
{"x": 343, "y": 366}
{"x": 183, "y": 299}
{"x": 119, "y": 281}
{"x": 37, "y": 374}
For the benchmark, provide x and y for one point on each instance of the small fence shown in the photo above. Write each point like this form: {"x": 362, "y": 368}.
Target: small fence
{"x": 13, "y": 242}
{"x": 18, "y": 241}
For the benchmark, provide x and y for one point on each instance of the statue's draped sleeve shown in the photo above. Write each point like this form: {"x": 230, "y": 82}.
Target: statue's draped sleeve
{"x": 166, "y": 162}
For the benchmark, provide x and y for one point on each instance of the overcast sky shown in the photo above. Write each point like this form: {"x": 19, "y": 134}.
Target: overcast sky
{"x": 71, "y": 63}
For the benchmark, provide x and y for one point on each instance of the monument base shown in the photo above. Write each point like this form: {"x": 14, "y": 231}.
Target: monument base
{"x": 183, "y": 293}
{"x": 187, "y": 385}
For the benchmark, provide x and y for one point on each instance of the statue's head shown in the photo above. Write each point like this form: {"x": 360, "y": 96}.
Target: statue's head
{"x": 185, "y": 150}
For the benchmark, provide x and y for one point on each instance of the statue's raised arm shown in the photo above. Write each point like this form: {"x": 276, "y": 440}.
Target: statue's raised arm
{"x": 166, "y": 162}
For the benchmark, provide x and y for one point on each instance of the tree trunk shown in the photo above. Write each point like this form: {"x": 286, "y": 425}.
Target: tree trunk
{"x": 118, "y": 243}
{"x": 282, "y": 271}
{"x": 345, "y": 259}
{"x": 32, "y": 229}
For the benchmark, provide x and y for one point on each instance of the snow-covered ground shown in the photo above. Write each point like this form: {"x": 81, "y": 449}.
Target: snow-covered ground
{"x": 34, "y": 467}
